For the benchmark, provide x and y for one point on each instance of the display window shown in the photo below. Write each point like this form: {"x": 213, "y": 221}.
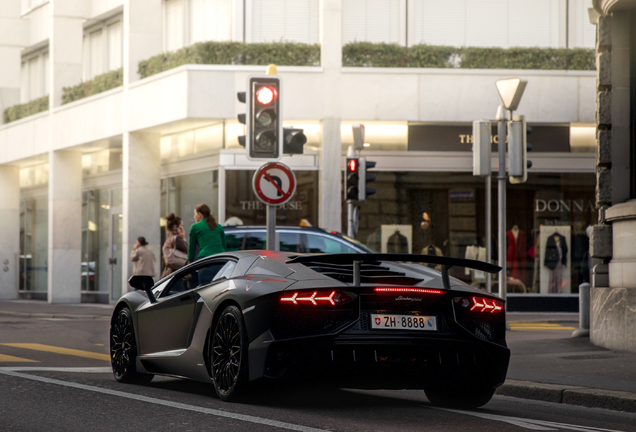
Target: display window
{"x": 443, "y": 214}
{"x": 242, "y": 207}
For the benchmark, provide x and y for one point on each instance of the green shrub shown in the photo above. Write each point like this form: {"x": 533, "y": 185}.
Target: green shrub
{"x": 99, "y": 84}
{"x": 366, "y": 54}
{"x": 234, "y": 53}
{"x": 16, "y": 112}
{"x": 528, "y": 58}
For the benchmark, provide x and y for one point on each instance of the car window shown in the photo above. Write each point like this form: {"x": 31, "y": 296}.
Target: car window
{"x": 289, "y": 242}
{"x": 226, "y": 271}
{"x": 254, "y": 240}
{"x": 322, "y": 244}
{"x": 234, "y": 241}
{"x": 194, "y": 278}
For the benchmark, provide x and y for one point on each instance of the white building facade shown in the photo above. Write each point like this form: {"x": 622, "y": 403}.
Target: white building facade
{"x": 82, "y": 180}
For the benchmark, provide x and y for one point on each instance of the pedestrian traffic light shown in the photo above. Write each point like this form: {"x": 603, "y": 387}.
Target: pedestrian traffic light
{"x": 482, "y": 133}
{"x": 352, "y": 179}
{"x": 242, "y": 118}
{"x": 264, "y": 126}
{"x": 365, "y": 179}
{"x": 518, "y": 148}
{"x": 293, "y": 141}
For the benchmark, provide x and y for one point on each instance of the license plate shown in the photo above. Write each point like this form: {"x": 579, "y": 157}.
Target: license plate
{"x": 403, "y": 322}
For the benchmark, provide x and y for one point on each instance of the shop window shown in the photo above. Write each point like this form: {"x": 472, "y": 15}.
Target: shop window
{"x": 33, "y": 247}
{"x": 547, "y": 243}
{"x": 35, "y": 175}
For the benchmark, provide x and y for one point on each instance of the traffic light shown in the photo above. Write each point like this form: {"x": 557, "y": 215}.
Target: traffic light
{"x": 363, "y": 190}
{"x": 352, "y": 179}
{"x": 482, "y": 132}
{"x": 242, "y": 118}
{"x": 518, "y": 148}
{"x": 293, "y": 141}
{"x": 264, "y": 125}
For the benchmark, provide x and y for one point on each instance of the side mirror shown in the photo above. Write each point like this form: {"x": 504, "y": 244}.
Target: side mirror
{"x": 143, "y": 283}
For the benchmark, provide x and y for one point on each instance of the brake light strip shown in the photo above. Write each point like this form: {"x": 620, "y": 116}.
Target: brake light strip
{"x": 410, "y": 290}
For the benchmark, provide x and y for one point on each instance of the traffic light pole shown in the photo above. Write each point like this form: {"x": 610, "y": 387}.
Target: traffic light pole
{"x": 350, "y": 220}
{"x": 270, "y": 237}
{"x": 501, "y": 204}
{"x": 489, "y": 228}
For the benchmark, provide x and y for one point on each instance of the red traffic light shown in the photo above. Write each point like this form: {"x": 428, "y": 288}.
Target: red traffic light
{"x": 353, "y": 165}
{"x": 265, "y": 95}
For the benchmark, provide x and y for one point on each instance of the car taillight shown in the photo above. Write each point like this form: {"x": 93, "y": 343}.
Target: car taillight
{"x": 409, "y": 290}
{"x": 315, "y": 298}
{"x": 480, "y": 304}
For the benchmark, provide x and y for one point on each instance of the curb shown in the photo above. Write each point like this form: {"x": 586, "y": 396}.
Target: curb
{"x": 571, "y": 395}
{"x": 54, "y": 315}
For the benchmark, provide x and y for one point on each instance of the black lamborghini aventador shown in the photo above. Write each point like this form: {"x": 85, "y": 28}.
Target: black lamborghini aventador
{"x": 358, "y": 320}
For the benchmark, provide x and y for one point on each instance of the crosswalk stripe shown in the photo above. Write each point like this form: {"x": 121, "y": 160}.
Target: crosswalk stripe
{"x": 60, "y": 350}
{"x": 540, "y": 327}
{"x": 11, "y": 359}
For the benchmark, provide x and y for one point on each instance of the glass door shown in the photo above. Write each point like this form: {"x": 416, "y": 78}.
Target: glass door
{"x": 115, "y": 261}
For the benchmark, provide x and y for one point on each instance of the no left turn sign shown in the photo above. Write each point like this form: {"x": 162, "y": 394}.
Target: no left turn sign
{"x": 274, "y": 183}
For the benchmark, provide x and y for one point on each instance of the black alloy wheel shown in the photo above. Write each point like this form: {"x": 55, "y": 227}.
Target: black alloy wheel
{"x": 123, "y": 351}
{"x": 228, "y": 354}
{"x": 454, "y": 397}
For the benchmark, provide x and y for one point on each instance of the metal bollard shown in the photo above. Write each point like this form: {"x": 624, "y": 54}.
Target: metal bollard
{"x": 584, "y": 312}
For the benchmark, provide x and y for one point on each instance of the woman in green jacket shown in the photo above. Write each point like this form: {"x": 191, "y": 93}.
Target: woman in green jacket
{"x": 208, "y": 236}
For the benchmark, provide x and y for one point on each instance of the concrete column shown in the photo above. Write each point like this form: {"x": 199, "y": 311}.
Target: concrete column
{"x": 141, "y": 191}
{"x": 14, "y": 35}
{"x": 10, "y": 233}
{"x": 330, "y": 181}
{"x": 65, "y": 46}
{"x": 143, "y": 34}
{"x": 65, "y": 227}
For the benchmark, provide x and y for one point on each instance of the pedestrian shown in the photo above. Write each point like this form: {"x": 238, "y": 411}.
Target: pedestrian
{"x": 208, "y": 236}
{"x": 143, "y": 259}
{"x": 175, "y": 248}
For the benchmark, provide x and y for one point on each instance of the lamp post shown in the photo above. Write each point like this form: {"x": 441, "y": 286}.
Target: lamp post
{"x": 510, "y": 91}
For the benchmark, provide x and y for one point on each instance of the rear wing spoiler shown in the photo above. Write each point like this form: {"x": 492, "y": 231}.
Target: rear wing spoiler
{"x": 357, "y": 259}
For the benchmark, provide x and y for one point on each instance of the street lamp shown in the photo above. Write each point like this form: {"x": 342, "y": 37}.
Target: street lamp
{"x": 510, "y": 91}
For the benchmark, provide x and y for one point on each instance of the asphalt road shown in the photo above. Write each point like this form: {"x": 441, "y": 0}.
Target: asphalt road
{"x": 54, "y": 377}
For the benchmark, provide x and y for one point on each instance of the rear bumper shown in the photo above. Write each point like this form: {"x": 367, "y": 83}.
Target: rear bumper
{"x": 387, "y": 361}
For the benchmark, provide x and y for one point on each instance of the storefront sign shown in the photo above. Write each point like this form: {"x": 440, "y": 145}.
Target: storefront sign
{"x": 460, "y": 138}
{"x": 563, "y": 206}
{"x": 259, "y": 205}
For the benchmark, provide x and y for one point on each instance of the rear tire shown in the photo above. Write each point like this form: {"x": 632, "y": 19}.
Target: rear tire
{"x": 455, "y": 397}
{"x": 123, "y": 350}
{"x": 228, "y": 355}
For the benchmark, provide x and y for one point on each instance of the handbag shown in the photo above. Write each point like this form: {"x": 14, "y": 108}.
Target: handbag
{"x": 175, "y": 259}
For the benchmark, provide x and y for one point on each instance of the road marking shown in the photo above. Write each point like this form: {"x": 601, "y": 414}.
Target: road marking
{"x": 538, "y": 326}
{"x": 59, "y": 350}
{"x": 57, "y": 369}
{"x": 530, "y": 423}
{"x": 170, "y": 404}
{"x": 10, "y": 359}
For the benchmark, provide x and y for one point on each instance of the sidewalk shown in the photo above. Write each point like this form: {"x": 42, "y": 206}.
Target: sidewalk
{"x": 547, "y": 364}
